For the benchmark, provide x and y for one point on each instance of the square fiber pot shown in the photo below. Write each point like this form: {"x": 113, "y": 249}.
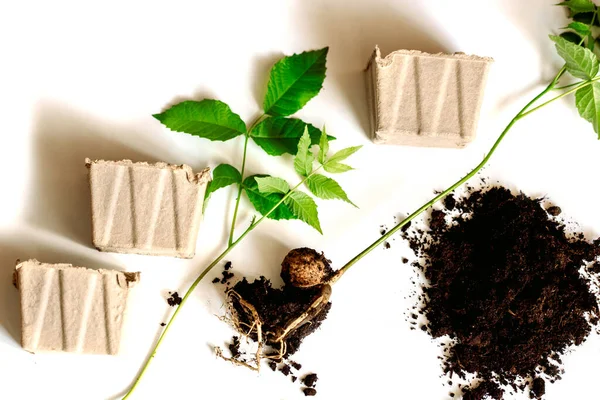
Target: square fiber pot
{"x": 421, "y": 99}
{"x": 141, "y": 208}
{"x": 72, "y": 309}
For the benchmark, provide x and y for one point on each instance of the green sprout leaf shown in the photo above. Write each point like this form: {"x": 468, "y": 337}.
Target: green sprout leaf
{"x": 579, "y": 27}
{"x": 279, "y": 135}
{"x": 587, "y": 100}
{"x": 270, "y": 184}
{"x": 327, "y": 188}
{"x": 210, "y": 119}
{"x": 343, "y": 154}
{"x": 224, "y": 175}
{"x": 303, "y": 162}
{"x": 578, "y": 6}
{"x": 323, "y": 146}
{"x": 336, "y": 168}
{"x": 264, "y": 202}
{"x": 304, "y": 208}
{"x": 581, "y": 62}
{"x": 294, "y": 80}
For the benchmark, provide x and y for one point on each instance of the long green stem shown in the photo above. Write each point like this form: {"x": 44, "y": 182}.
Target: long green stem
{"x": 201, "y": 276}
{"x": 239, "y": 194}
{"x": 576, "y": 88}
{"x": 524, "y": 111}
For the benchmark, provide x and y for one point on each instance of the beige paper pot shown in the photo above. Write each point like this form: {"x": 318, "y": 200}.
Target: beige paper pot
{"x": 142, "y": 208}
{"x": 422, "y": 99}
{"x": 72, "y": 309}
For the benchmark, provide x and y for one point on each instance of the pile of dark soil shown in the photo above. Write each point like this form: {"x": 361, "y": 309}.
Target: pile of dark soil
{"x": 504, "y": 281}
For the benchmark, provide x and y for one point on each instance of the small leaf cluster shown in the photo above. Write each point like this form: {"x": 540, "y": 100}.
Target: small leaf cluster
{"x": 293, "y": 81}
{"x": 297, "y": 204}
{"x": 577, "y": 47}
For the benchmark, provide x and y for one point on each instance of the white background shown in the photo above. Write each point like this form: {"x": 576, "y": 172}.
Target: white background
{"x": 81, "y": 79}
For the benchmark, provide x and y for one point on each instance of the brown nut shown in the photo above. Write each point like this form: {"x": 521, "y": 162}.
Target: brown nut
{"x": 304, "y": 267}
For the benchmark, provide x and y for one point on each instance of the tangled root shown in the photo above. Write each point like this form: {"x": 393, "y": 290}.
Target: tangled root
{"x": 251, "y": 326}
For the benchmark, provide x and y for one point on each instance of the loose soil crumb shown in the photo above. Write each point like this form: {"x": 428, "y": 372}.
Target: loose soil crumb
{"x": 386, "y": 245}
{"x": 309, "y": 392}
{"x": 162, "y": 324}
{"x": 404, "y": 260}
{"x": 310, "y": 380}
{"x": 503, "y": 281}
{"x": 174, "y": 299}
{"x": 450, "y": 202}
{"x": 273, "y": 365}
{"x": 285, "y": 370}
{"x": 216, "y": 280}
{"x": 555, "y": 211}
{"x": 294, "y": 378}
{"x": 234, "y": 347}
{"x": 296, "y": 365}
{"x": 227, "y": 266}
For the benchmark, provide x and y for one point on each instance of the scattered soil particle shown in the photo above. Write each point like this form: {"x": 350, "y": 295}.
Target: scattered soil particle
{"x": 226, "y": 276}
{"x": 216, "y": 280}
{"x": 503, "y": 281}
{"x": 273, "y": 365}
{"x": 309, "y": 392}
{"x": 174, "y": 299}
{"x": 294, "y": 378}
{"x": 383, "y": 231}
{"x": 406, "y": 227}
{"x": 162, "y": 324}
{"x": 386, "y": 245}
{"x": 485, "y": 389}
{"x": 538, "y": 388}
{"x": 297, "y": 366}
{"x": 234, "y": 347}
{"x": 450, "y": 202}
{"x": 285, "y": 370}
{"x": 310, "y": 380}
{"x": 555, "y": 211}
{"x": 227, "y": 266}
{"x": 404, "y": 260}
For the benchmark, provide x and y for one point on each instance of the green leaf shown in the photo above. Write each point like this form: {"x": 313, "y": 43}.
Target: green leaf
{"x": 343, "y": 154}
{"x": 224, "y": 175}
{"x": 279, "y": 135}
{"x": 294, "y": 81}
{"x": 326, "y": 188}
{"x": 304, "y": 208}
{"x": 581, "y": 62}
{"x": 323, "y": 146}
{"x": 577, "y": 6}
{"x": 336, "y": 168}
{"x": 210, "y": 119}
{"x": 270, "y": 184}
{"x": 579, "y": 27}
{"x": 303, "y": 162}
{"x": 587, "y": 100}
{"x": 265, "y": 202}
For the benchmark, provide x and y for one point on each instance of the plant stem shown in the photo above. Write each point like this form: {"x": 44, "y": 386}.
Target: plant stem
{"x": 202, "y": 275}
{"x": 239, "y": 194}
{"x": 524, "y": 111}
{"x": 576, "y": 88}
